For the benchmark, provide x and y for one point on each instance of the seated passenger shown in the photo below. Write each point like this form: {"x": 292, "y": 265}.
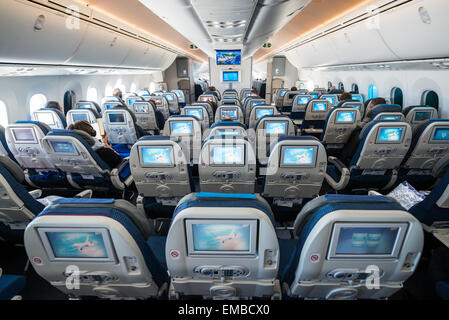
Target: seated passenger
{"x": 103, "y": 149}
{"x": 345, "y": 96}
{"x": 54, "y": 105}
{"x": 294, "y": 89}
{"x": 118, "y": 93}
{"x": 354, "y": 140}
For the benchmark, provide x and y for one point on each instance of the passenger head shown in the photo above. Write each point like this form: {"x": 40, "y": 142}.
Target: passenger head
{"x": 53, "y": 105}
{"x": 345, "y": 96}
{"x": 117, "y": 93}
{"x": 83, "y": 126}
{"x": 294, "y": 89}
{"x": 332, "y": 88}
{"x": 374, "y": 102}
{"x": 254, "y": 92}
{"x": 211, "y": 89}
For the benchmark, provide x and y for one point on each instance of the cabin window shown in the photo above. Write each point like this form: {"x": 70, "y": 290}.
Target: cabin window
{"x": 37, "y": 102}
{"x": 430, "y": 98}
{"x": 355, "y": 88}
{"x": 92, "y": 94}
{"x": 329, "y": 84}
{"x": 372, "y": 92}
{"x": 341, "y": 86}
{"x": 4, "y": 112}
{"x": 397, "y": 96}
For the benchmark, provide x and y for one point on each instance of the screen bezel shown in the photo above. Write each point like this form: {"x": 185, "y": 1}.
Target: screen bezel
{"x": 46, "y": 112}
{"x": 263, "y": 108}
{"x": 421, "y": 121}
{"x": 156, "y": 165}
{"x": 212, "y": 164}
{"x": 217, "y": 52}
{"x": 317, "y": 111}
{"x": 276, "y": 134}
{"x": 24, "y": 142}
{"x": 198, "y": 109}
{"x": 390, "y": 127}
{"x": 182, "y": 134}
{"x": 80, "y": 112}
{"x": 281, "y": 158}
{"x": 335, "y": 235}
{"x": 49, "y": 250}
{"x": 254, "y": 226}
{"x": 345, "y": 122}
{"x": 432, "y": 135}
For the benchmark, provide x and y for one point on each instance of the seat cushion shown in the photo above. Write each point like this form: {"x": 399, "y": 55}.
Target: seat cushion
{"x": 10, "y": 286}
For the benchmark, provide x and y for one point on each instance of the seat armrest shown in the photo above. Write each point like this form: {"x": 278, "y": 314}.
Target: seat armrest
{"x": 36, "y": 194}
{"x": 344, "y": 174}
{"x": 86, "y": 194}
{"x": 121, "y": 177}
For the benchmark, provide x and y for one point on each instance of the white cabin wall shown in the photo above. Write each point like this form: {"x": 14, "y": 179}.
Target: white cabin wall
{"x": 412, "y": 82}
{"x": 16, "y": 92}
{"x": 245, "y": 74}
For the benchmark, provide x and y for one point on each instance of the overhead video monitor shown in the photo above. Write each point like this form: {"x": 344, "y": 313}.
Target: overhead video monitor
{"x": 229, "y": 114}
{"x": 117, "y": 118}
{"x": 229, "y": 57}
{"x": 361, "y": 240}
{"x": 441, "y": 134}
{"x": 63, "y": 147}
{"x": 230, "y": 76}
{"x": 319, "y": 107}
{"x": 141, "y": 107}
{"x": 390, "y": 135}
{"x": 422, "y": 116}
{"x": 156, "y": 156}
{"x": 197, "y": 113}
{"x": 298, "y": 156}
{"x": 80, "y": 116}
{"x": 45, "y": 117}
{"x": 181, "y": 127}
{"x": 221, "y": 237}
{"x": 275, "y": 127}
{"x": 345, "y": 117}
{"x": 77, "y": 244}
{"x": 24, "y": 135}
{"x": 330, "y": 99}
{"x": 264, "y": 112}
{"x": 283, "y": 92}
{"x": 227, "y": 155}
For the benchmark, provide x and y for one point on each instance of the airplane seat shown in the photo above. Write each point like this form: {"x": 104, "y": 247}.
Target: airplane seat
{"x": 11, "y": 286}
{"x": 243, "y": 263}
{"x": 5, "y": 151}
{"x": 375, "y": 164}
{"x": 188, "y": 130}
{"x": 287, "y": 100}
{"x": 382, "y": 109}
{"x": 209, "y": 108}
{"x": 120, "y": 124}
{"x": 295, "y": 170}
{"x": 249, "y": 105}
{"x": 212, "y": 96}
{"x": 230, "y": 101}
{"x": 227, "y": 164}
{"x": 86, "y": 114}
{"x": 161, "y": 173}
{"x": 417, "y": 115}
{"x": 105, "y": 240}
{"x": 51, "y": 117}
{"x": 299, "y": 106}
{"x": 161, "y": 105}
{"x": 245, "y": 92}
{"x": 338, "y": 128}
{"x": 268, "y": 130}
{"x": 229, "y": 112}
{"x": 24, "y": 139}
{"x": 181, "y": 97}
{"x": 429, "y": 144}
{"x": 258, "y": 112}
{"x": 173, "y": 104}
{"x": 332, "y": 98}
{"x": 89, "y": 105}
{"x": 147, "y": 117}
{"x": 356, "y": 105}
{"x": 72, "y": 152}
{"x": 131, "y": 98}
{"x": 315, "y": 116}
{"x": 108, "y": 105}
{"x": 341, "y": 103}
{"x": 343, "y": 242}
{"x": 200, "y": 112}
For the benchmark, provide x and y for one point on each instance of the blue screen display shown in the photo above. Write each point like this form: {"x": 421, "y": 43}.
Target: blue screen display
{"x": 229, "y": 114}
{"x": 365, "y": 240}
{"x": 276, "y": 128}
{"x": 330, "y": 99}
{"x": 390, "y": 118}
{"x": 283, "y": 92}
{"x": 228, "y": 155}
{"x": 156, "y": 155}
{"x": 181, "y": 127}
{"x": 390, "y": 134}
{"x": 77, "y": 244}
{"x": 441, "y": 134}
{"x": 63, "y": 147}
{"x": 314, "y": 95}
{"x": 263, "y": 112}
{"x": 298, "y": 156}
{"x": 357, "y": 97}
{"x": 303, "y": 100}
{"x": 422, "y": 115}
{"x": 132, "y": 100}
{"x": 116, "y": 118}
{"x": 141, "y": 108}
{"x": 229, "y": 57}
{"x": 169, "y": 97}
{"x": 345, "y": 117}
{"x": 110, "y": 105}
{"x": 197, "y": 113}
{"x": 221, "y": 237}
{"x": 319, "y": 106}
{"x": 230, "y": 76}
{"x": 257, "y": 103}
{"x": 79, "y": 117}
